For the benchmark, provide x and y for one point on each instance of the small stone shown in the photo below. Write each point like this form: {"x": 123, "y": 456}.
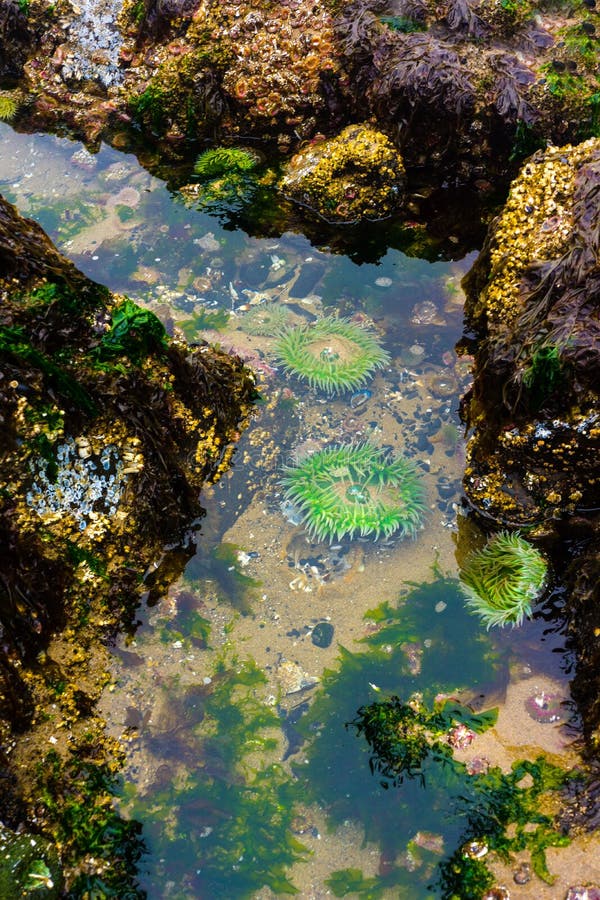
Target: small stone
{"x": 583, "y": 892}
{"x": 322, "y": 634}
{"x": 523, "y": 874}
{"x": 292, "y": 679}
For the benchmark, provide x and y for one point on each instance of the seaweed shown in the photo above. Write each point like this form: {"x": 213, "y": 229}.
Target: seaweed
{"x": 461, "y": 16}
{"x": 76, "y": 802}
{"x": 416, "y": 652}
{"x": 13, "y": 341}
{"x": 221, "y": 565}
{"x": 202, "y": 823}
{"x": 134, "y": 333}
{"x": 404, "y": 735}
{"x": 402, "y": 23}
{"x": 511, "y": 82}
{"x": 504, "y": 812}
{"x": 420, "y": 69}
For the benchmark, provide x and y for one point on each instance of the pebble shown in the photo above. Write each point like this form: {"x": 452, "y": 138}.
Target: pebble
{"x": 322, "y": 634}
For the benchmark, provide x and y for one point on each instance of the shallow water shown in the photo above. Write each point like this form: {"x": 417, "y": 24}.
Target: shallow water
{"x": 233, "y": 695}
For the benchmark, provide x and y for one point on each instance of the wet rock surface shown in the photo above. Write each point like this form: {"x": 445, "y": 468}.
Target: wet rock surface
{"x": 462, "y": 89}
{"x": 532, "y": 303}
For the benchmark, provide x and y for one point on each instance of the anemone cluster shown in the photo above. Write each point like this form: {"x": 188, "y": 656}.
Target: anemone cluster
{"x": 332, "y": 355}
{"x": 281, "y": 53}
{"x": 355, "y": 489}
{"x": 501, "y": 581}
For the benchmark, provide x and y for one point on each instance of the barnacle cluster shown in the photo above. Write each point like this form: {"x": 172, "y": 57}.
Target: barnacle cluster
{"x": 80, "y": 483}
{"x": 536, "y": 224}
{"x": 357, "y": 175}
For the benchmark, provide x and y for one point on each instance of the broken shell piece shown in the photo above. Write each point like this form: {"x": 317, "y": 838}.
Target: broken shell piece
{"x": 291, "y": 678}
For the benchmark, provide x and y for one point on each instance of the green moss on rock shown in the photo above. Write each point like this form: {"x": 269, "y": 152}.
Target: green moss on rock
{"x": 355, "y": 176}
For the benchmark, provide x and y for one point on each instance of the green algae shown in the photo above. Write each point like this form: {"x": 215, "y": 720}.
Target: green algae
{"x": 29, "y": 866}
{"x": 504, "y": 812}
{"x": 134, "y": 333}
{"x": 221, "y": 565}
{"x": 201, "y": 822}
{"x": 205, "y": 319}
{"x": 440, "y": 815}
{"x": 405, "y": 735}
{"x": 75, "y": 796}
{"x": 417, "y": 651}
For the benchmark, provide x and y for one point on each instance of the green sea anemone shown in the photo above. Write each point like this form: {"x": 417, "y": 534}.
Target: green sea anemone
{"x": 9, "y": 104}
{"x": 224, "y": 161}
{"x": 355, "y": 489}
{"x": 265, "y": 319}
{"x": 502, "y": 580}
{"x": 334, "y": 355}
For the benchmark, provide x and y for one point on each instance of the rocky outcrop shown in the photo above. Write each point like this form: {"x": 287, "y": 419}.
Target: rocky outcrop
{"x": 462, "y": 88}
{"x": 532, "y": 302}
{"x": 533, "y": 305}
{"x": 355, "y": 176}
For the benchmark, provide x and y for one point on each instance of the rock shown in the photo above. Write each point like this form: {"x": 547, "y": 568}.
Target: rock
{"x": 532, "y": 301}
{"x": 291, "y": 678}
{"x": 355, "y": 176}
